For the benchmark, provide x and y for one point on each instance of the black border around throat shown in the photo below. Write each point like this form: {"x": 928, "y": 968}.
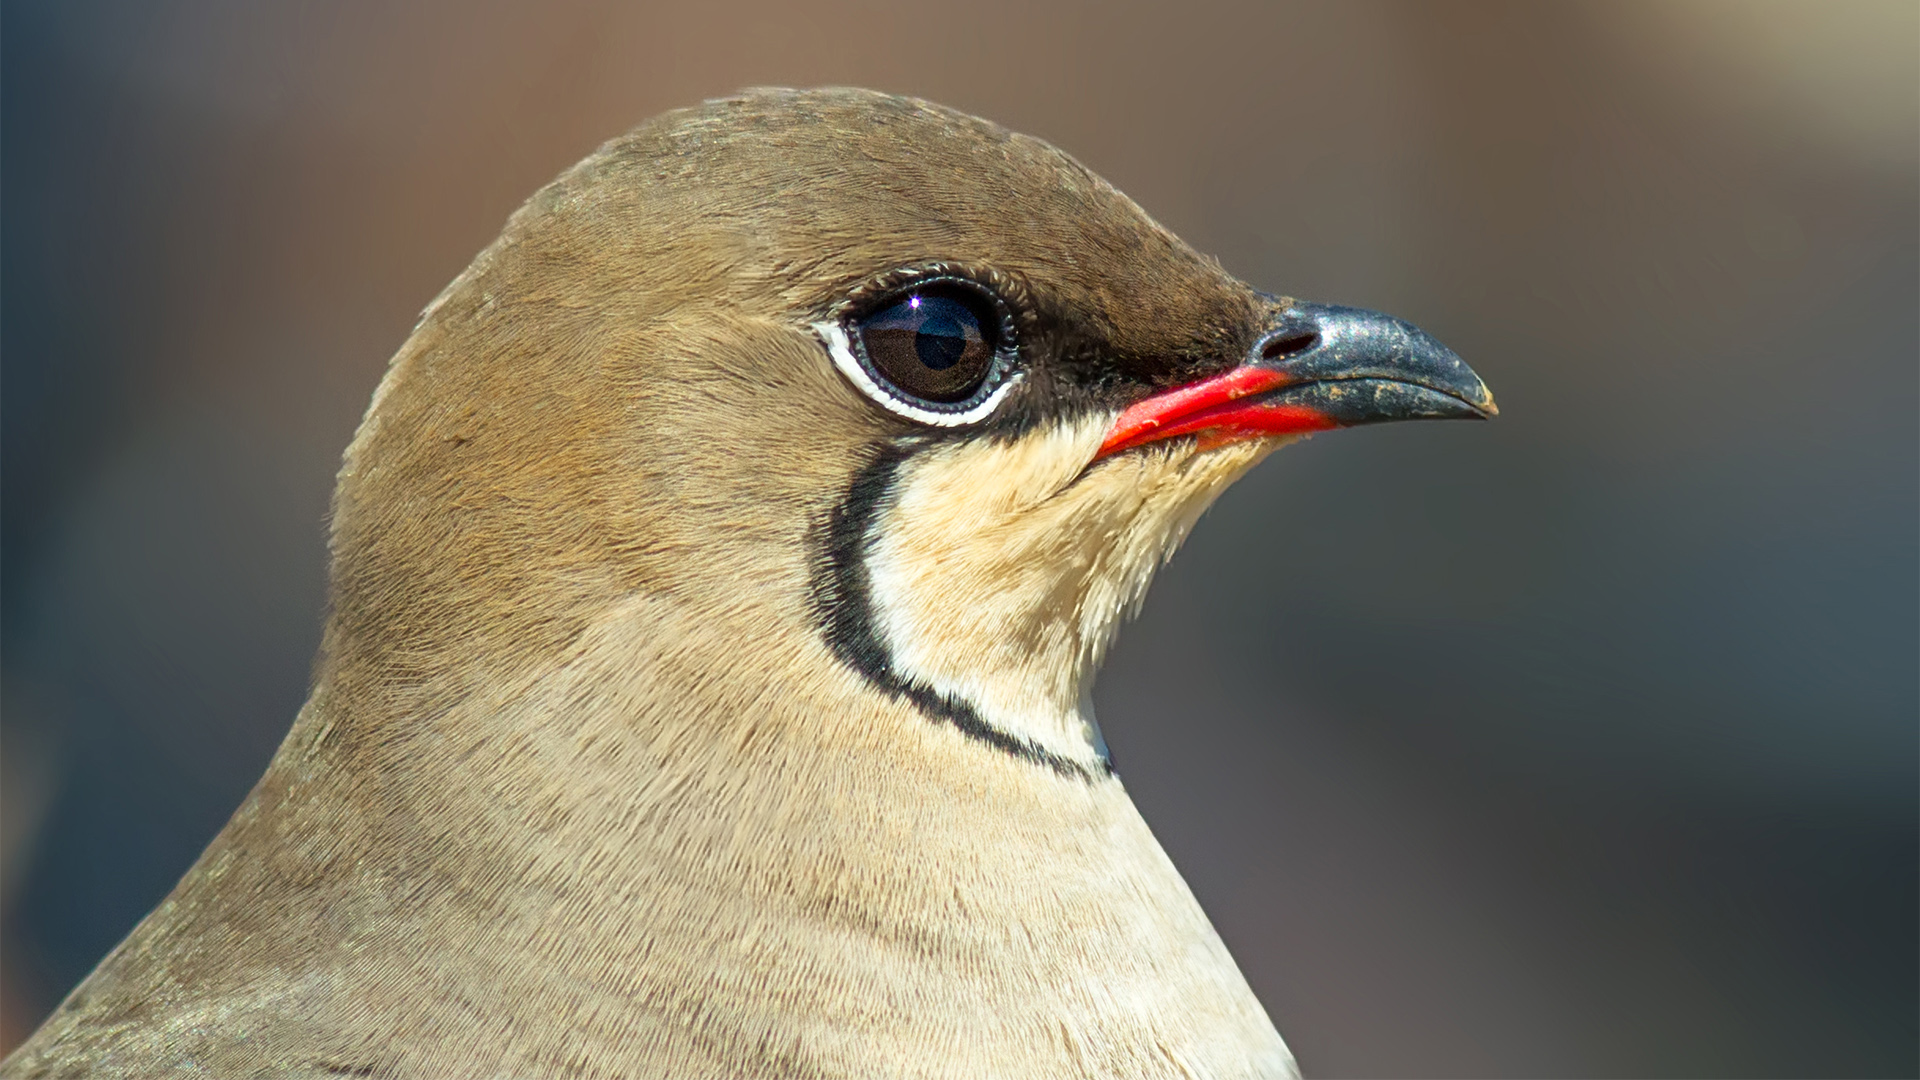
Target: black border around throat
{"x": 842, "y": 598}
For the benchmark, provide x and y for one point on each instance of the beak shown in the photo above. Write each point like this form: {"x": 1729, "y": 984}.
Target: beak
{"x": 1319, "y": 367}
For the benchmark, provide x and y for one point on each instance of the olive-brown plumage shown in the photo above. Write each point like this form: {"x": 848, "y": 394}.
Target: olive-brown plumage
{"x": 694, "y": 701}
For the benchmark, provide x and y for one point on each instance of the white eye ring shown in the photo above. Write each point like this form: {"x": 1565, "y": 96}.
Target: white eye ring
{"x": 838, "y": 347}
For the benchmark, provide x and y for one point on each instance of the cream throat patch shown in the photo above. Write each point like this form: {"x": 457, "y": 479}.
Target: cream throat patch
{"x": 985, "y": 578}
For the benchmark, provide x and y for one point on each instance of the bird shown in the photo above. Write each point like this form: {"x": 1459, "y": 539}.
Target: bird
{"x": 718, "y": 579}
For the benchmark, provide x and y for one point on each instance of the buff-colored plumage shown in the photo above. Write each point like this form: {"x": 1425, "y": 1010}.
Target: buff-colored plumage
{"x": 582, "y": 791}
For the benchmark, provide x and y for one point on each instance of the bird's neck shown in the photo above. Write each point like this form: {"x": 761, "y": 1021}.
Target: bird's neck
{"x": 669, "y": 836}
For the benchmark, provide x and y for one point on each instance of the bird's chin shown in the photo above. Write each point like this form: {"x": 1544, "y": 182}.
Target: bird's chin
{"x": 1200, "y": 454}
{"x": 1260, "y": 443}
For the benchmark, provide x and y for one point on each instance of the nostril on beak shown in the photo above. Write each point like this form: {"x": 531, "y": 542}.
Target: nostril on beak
{"x": 1283, "y": 345}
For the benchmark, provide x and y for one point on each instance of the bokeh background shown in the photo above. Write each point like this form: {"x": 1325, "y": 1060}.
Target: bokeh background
{"x": 1579, "y": 743}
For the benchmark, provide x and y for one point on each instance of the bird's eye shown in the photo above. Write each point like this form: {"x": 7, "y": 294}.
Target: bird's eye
{"x": 935, "y": 344}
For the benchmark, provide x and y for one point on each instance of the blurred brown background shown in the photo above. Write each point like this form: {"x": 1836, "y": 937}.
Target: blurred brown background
{"x": 1579, "y": 743}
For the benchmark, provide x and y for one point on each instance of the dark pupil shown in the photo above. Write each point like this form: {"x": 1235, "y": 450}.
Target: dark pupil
{"x": 940, "y": 342}
{"x": 933, "y": 345}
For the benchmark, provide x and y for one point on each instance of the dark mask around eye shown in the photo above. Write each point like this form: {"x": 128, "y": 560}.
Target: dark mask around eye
{"x": 934, "y": 344}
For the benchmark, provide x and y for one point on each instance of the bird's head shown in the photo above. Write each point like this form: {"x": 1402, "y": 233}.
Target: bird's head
{"x": 833, "y": 397}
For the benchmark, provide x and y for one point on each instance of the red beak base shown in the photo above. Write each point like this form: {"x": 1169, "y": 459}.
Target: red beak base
{"x": 1214, "y": 409}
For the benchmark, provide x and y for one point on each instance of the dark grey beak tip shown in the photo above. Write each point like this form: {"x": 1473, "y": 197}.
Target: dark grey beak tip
{"x": 1395, "y": 370}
